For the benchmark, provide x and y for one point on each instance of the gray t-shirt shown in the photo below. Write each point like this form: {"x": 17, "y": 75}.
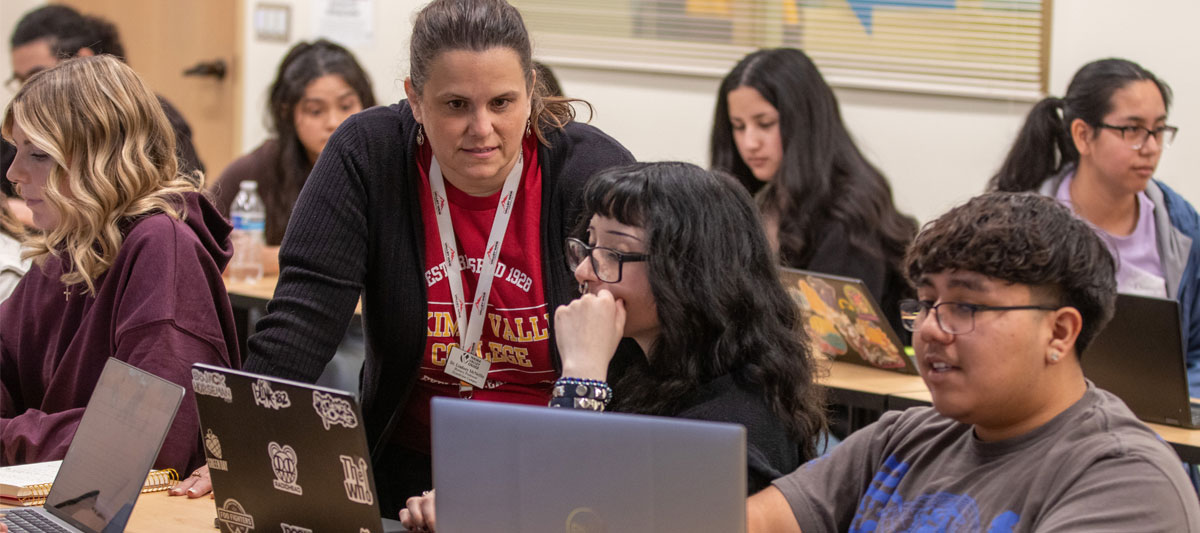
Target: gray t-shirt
{"x": 1094, "y": 467}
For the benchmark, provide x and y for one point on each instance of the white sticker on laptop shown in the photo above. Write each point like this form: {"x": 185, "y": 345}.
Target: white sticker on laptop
{"x": 334, "y": 411}
{"x": 235, "y": 518}
{"x": 264, "y": 396}
{"x": 286, "y": 468}
{"x": 358, "y": 489}
{"x": 211, "y": 384}
{"x": 288, "y": 528}
{"x": 213, "y": 445}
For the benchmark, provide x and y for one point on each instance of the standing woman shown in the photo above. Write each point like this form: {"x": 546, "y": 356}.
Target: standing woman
{"x": 476, "y": 155}
{"x": 127, "y": 265}
{"x": 1095, "y": 150}
{"x": 318, "y": 86}
{"x": 777, "y": 128}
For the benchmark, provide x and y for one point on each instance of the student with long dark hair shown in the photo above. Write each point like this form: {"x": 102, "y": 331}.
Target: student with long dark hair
{"x": 1096, "y": 150}
{"x": 318, "y": 86}
{"x": 674, "y": 257}
{"x": 777, "y": 128}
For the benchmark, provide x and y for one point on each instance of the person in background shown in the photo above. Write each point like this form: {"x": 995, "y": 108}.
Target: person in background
{"x": 318, "y": 86}
{"x": 674, "y": 257}
{"x": 1095, "y": 150}
{"x": 546, "y": 77}
{"x": 50, "y": 34}
{"x": 777, "y": 128}
{"x": 127, "y": 265}
{"x": 1011, "y": 289}
{"x": 478, "y": 142}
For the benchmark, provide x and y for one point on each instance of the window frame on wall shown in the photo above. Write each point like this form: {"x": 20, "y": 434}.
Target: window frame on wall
{"x": 994, "y": 49}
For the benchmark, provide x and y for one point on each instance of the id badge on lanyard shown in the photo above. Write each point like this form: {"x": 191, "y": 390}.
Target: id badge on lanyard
{"x": 464, "y": 361}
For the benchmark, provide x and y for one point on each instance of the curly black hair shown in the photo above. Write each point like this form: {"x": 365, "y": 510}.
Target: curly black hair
{"x": 1023, "y": 238}
{"x": 721, "y": 307}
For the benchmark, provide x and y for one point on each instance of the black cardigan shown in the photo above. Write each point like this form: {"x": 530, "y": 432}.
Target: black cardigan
{"x": 357, "y": 230}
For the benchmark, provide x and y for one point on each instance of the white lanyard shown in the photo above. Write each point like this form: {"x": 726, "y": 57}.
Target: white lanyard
{"x": 470, "y": 328}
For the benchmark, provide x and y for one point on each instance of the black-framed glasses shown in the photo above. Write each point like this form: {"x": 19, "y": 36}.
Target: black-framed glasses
{"x": 955, "y": 318}
{"x": 1137, "y": 136}
{"x": 606, "y": 262}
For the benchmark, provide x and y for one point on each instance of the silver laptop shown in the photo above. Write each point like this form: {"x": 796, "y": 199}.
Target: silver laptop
{"x": 110, "y": 456}
{"x": 285, "y": 456}
{"x": 513, "y": 468}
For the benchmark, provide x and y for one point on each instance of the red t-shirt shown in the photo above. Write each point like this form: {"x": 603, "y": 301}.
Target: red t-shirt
{"x": 516, "y": 332}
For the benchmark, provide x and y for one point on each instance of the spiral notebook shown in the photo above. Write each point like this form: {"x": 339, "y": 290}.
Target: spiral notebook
{"x": 28, "y": 485}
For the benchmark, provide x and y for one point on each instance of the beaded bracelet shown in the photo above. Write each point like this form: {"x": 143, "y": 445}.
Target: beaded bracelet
{"x": 581, "y": 394}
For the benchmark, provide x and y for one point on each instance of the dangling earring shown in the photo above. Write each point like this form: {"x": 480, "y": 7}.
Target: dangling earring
{"x": 420, "y": 135}
{"x": 528, "y": 127}
{"x": 583, "y": 287}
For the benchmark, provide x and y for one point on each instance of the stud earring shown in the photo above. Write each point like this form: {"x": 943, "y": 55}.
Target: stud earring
{"x": 1054, "y": 355}
{"x": 420, "y": 135}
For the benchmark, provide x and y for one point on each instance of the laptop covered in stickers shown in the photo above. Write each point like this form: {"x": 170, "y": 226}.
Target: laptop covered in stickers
{"x": 285, "y": 456}
{"x": 844, "y": 321}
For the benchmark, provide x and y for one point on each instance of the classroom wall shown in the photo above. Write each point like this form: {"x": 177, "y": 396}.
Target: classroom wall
{"x": 936, "y": 150}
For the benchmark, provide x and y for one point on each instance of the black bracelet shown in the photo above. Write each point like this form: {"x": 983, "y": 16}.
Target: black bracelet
{"x": 581, "y": 394}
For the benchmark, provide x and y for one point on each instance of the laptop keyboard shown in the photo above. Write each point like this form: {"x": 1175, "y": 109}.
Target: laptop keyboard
{"x": 29, "y": 520}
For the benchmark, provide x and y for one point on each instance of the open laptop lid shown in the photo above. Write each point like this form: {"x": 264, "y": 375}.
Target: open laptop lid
{"x": 283, "y": 455}
{"x": 512, "y": 468}
{"x": 844, "y": 320}
{"x": 1139, "y": 356}
{"x": 114, "y": 448}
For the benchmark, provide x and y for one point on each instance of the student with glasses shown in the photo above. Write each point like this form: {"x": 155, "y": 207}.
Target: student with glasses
{"x": 1011, "y": 289}
{"x": 1095, "y": 150}
{"x": 673, "y": 257}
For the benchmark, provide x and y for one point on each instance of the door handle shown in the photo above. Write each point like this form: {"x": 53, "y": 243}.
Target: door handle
{"x": 215, "y": 68}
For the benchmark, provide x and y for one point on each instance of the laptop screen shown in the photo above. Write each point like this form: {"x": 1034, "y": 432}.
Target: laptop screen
{"x": 114, "y": 447}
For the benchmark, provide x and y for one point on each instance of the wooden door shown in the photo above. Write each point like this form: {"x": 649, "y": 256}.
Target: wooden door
{"x": 162, "y": 40}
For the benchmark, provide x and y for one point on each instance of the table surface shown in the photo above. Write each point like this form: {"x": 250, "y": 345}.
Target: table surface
{"x": 156, "y": 512}
{"x": 262, "y": 291}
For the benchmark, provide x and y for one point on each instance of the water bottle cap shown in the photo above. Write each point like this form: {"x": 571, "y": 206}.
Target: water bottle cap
{"x": 248, "y": 185}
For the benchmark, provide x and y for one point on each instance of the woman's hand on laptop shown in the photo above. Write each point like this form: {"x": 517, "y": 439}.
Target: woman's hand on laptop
{"x": 196, "y": 485}
{"x": 418, "y": 515}
{"x": 588, "y": 331}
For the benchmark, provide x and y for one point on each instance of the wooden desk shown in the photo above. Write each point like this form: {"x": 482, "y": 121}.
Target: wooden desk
{"x": 865, "y": 387}
{"x": 155, "y": 512}
{"x": 249, "y": 301}
{"x": 1185, "y": 441}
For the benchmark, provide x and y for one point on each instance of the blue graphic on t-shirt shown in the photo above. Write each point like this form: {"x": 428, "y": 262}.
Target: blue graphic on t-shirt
{"x": 882, "y": 509}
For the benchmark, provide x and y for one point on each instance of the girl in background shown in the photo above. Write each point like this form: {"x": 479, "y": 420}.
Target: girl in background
{"x": 1096, "y": 150}
{"x": 318, "y": 86}
{"x": 778, "y": 130}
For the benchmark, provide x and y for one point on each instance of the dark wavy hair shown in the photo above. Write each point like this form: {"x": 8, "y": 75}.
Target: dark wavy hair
{"x": 479, "y": 25}
{"x": 1024, "y": 238}
{"x": 721, "y": 307}
{"x": 303, "y": 64}
{"x": 1045, "y": 145}
{"x": 67, "y": 31}
{"x": 823, "y": 175}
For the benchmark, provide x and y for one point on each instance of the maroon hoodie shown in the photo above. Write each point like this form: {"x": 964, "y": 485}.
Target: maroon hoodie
{"x": 161, "y": 307}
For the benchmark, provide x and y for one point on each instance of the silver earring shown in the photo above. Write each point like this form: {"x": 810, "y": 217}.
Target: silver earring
{"x": 420, "y": 135}
{"x": 1054, "y": 355}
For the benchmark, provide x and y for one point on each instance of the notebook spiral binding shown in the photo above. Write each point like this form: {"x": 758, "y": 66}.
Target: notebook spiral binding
{"x": 157, "y": 480}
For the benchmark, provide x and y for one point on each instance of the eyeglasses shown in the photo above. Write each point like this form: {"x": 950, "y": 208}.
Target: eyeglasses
{"x": 1137, "y": 136}
{"x": 955, "y": 318}
{"x": 606, "y": 262}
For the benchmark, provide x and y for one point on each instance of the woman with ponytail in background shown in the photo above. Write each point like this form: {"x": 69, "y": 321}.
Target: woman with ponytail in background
{"x": 1096, "y": 150}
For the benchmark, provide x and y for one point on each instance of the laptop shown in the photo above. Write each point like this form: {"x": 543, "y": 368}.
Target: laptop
{"x": 114, "y": 447}
{"x": 844, "y": 321}
{"x": 516, "y": 468}
{"x": 1140, "y": 357}
{"x": 285, "y": 456}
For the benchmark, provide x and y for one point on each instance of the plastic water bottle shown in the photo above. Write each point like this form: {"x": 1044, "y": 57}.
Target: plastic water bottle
{"x": 249, "y": 223}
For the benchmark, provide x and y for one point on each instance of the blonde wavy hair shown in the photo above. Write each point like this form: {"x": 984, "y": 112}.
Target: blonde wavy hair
{"x": 115, "y": 155}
